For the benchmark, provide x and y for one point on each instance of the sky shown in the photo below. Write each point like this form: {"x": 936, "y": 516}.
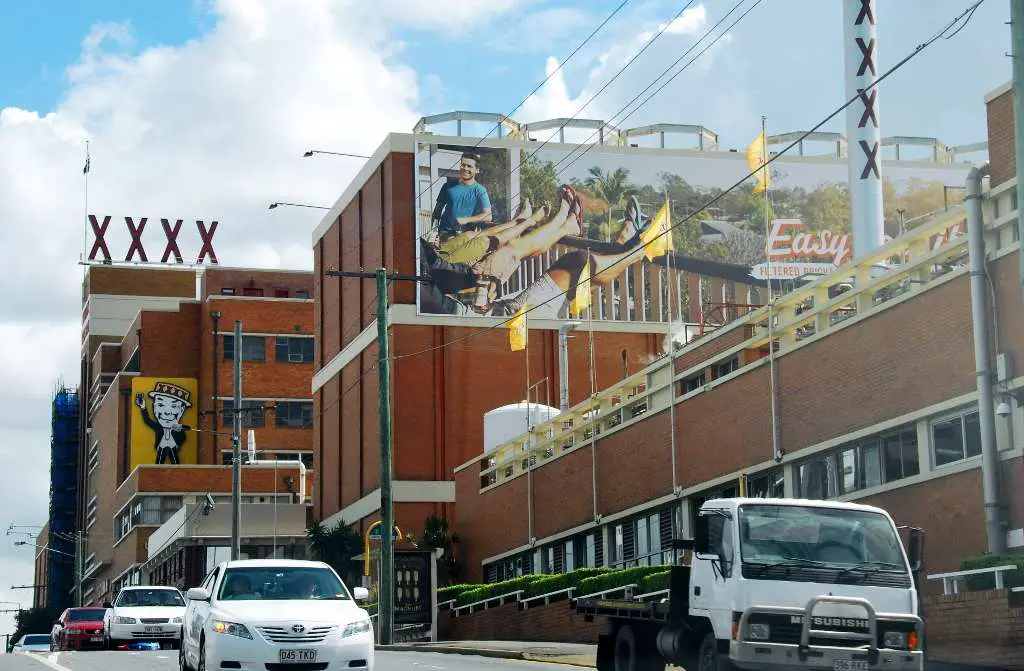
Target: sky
{"x": 202, "y": 109}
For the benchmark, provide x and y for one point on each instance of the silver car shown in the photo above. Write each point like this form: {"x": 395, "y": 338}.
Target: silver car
{"x": 37, "y": 643}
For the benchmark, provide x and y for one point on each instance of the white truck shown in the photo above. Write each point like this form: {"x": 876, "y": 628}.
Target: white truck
{"x": 776, "y": 584}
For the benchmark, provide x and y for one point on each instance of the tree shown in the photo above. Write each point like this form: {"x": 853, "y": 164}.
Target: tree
{"x": 32, "y": 621}
{"x": 745, "y": 248}
{"x": 539, "y": 182}
{"x": 437, "y": 534}
{"x": 611, "y": 187}
{"x": 337, "y": 546}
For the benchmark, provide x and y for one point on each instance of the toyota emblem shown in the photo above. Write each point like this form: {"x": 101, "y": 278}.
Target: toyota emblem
{"x": 298, "y": 628}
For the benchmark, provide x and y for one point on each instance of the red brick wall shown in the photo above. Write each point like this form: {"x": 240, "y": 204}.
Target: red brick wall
{"x": 127, "y": 281}
{"x": 1002, "y": 160}
{"x": 554, "y": 622}
{"x": 975, "y": 628}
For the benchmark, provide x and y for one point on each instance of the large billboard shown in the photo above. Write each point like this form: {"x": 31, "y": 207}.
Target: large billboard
{"x": 505, "y": 225}
{"x": 164, "y": 414}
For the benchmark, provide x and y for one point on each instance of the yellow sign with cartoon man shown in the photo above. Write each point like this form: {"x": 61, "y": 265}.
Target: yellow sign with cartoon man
{"x": 163, "y": 416}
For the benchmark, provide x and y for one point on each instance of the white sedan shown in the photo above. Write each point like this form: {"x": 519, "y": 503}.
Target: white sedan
{"x": 273, "y": 613}
{"x": 144, "y": 614}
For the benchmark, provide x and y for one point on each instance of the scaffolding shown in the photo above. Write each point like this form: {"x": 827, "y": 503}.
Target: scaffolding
{"x": 60, "y": 578}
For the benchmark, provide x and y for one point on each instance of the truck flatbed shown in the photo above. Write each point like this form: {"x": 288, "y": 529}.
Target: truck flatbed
{"x": 625, "y": 609}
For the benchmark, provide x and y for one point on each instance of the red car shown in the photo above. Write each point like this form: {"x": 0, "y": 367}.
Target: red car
{"x": 80, "y": 628}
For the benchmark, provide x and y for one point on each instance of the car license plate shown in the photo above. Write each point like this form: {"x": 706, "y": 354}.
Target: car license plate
{"x": 154, "y": 630}
{"x": 96, "y": 639}
{"x": 297, "y": 656}
{"x": 850, "y": 665}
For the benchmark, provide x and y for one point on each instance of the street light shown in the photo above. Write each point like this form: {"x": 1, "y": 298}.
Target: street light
{"x": 44, "y": 547}
{"x": 332, "y": 153}
{"x": 274, "y": 206}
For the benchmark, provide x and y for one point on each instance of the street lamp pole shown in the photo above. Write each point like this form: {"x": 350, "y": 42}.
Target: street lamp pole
{"x": 236, "y": 448}
{"x": 385, "y": 603}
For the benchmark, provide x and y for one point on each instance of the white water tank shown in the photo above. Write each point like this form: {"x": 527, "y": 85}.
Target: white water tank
{"x": 505, "y": 423}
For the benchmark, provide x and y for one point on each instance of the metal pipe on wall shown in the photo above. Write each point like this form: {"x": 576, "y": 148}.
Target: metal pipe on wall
{"x": 982, "y": 363}
{"x": 563, "y": 363}
{"x": 215, "y": 315}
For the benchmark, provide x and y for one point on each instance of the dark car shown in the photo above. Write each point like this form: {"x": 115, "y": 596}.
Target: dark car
{"x": 80, "y": 628}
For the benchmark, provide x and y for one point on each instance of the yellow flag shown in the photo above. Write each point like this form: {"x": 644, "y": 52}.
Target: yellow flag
{"x": 517, "y": 330}
{"x": 656, "y": 237}
{"x": 755, "y": 159}
{"x": 581, "y": 301}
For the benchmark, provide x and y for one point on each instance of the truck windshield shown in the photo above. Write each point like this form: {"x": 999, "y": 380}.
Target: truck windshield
{"x": 835, "y": 537}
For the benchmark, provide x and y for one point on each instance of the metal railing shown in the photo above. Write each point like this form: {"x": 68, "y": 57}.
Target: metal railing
{"x": 917, "y": 261}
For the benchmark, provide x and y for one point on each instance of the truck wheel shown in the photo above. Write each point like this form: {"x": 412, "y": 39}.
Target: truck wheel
{"x": 708, "y": 657}
{"x": 636, "y": 651}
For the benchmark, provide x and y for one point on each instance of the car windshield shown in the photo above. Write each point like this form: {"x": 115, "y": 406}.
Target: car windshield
{"x": 36, "y": 639}
{"x": 87, "y": 615}
{"x": 132, "y": 598}
{"x": 838, "y": 537}
{"x": 278, "y": 583}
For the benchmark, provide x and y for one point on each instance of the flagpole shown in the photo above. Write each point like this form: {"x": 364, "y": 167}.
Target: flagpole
{"x": 776, "y": 454}
{"x": 671, "y": 347}
{"x": 85, "y": 215}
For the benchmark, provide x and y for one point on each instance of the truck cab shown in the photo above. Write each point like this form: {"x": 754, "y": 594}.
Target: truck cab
{"x": 789, "y": 583}
{"x": 777, "y": 584}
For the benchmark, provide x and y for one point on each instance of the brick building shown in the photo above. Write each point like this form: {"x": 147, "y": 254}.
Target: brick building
{"x": 876, "y": 402}
{"x": 449, "y": 366}
{"x": 174, "y": 327}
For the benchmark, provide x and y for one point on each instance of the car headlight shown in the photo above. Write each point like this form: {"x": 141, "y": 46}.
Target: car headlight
{"x": 230, "y": 628}
{"x": 895, "y": 639}
{"x": 760, "y": 631}
{"x": 356, "y": 628}
{"x": 125, "y": 620}
{"x": 176, "y": 620}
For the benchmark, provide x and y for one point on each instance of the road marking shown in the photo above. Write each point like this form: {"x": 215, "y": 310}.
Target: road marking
{"x": 49, "y": 660}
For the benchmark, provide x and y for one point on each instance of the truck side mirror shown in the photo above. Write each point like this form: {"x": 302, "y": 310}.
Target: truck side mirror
{"x": 701, "y": 536}
{"x": 915, "y": 549}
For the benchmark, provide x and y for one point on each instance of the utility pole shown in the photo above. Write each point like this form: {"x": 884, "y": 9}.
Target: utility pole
{"x": 1017, "y": 59}
{"x": 79, "y": 567}
{"x": 236, "y": 449}
{"x": 386, "y": 600}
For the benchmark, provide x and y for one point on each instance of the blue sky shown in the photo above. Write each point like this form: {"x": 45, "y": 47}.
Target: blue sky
{"x": 787, "y": 55}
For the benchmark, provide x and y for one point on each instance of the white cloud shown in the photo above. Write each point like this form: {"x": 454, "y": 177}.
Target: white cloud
{"x": 210, "y": 129}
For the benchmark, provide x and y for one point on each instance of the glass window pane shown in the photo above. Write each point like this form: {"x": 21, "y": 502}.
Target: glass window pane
{"x": 947, "y": 440}
{"x": 871, "y": 473}
{"x": 972, "y": 435}
{"x": 911, "y": 460}
{"x": 848, "y": 470}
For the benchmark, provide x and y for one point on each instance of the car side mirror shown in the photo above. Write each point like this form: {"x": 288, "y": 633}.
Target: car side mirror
{"x": 360, "y": 593}
{"x": 198, "y": 594}
{"x": 702, "y": 535}
{"x": 915, "y": 549}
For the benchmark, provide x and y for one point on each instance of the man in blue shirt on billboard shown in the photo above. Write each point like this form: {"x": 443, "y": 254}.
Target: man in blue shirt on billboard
{"x": 464, "y": 202}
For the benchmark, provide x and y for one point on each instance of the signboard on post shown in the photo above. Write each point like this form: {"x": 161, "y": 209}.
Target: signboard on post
{"x": 415, "y": 587}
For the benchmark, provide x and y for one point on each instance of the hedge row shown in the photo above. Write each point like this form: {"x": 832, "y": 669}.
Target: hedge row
{"x": 629, "y": 576}
{"x": 985, "y": 581}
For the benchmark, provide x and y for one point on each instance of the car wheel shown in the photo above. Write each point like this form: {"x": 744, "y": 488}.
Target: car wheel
{"x": 182, "y": 660}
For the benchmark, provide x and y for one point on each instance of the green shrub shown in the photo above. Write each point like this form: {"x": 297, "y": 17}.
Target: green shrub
{"x": 629, "y": 576}
{"x": 497, "y": 589}
{"x": 654, "y": 582}
{"x": 562, "y": 581}
{"x": 453, "y": 591}
{"x": 985, "y": 581}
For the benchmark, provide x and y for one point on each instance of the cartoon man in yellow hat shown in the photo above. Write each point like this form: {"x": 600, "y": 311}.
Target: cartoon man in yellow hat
{"x": 170, "y": 402}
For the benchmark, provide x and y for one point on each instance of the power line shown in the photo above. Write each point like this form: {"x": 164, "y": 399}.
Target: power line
{"x": 543, "y": 144}
{"x": 561, "y": 64}
{"x": 968, "y": 13}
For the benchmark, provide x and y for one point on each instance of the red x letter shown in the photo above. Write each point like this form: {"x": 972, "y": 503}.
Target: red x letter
{"x": 136, "y": 233}
{"x": 99, "y": 230}
{"x": 207, "y": 236}
{"x": 172, "y": 241}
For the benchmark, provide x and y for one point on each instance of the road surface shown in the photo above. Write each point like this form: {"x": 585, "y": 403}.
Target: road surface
{"x": 167, "y": 660}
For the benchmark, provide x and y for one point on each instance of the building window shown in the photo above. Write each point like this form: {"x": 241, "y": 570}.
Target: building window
{"x": 227, "y": 291}
{"x": 281, "y": 293}
{"x": 302, "y": 293}
{"x": 694, "y": 382}
{"x": 91, "y": 513}
{"x": 294, "y": 414}
{"x": 94, "y": 456}
{"x": 591, "y": 550}
{"x": 292, "y": 349}
{"x": 727, "y": 367}
{"x": 869, "y": 462}
{"x": 254, "y": 348}
{"x": 956, "y": 438}
{"x": 252, "y": 414}
{"x": 570, "y": 557}
{"x": 769, "y": 484}
{"x": 253, "y": 292}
